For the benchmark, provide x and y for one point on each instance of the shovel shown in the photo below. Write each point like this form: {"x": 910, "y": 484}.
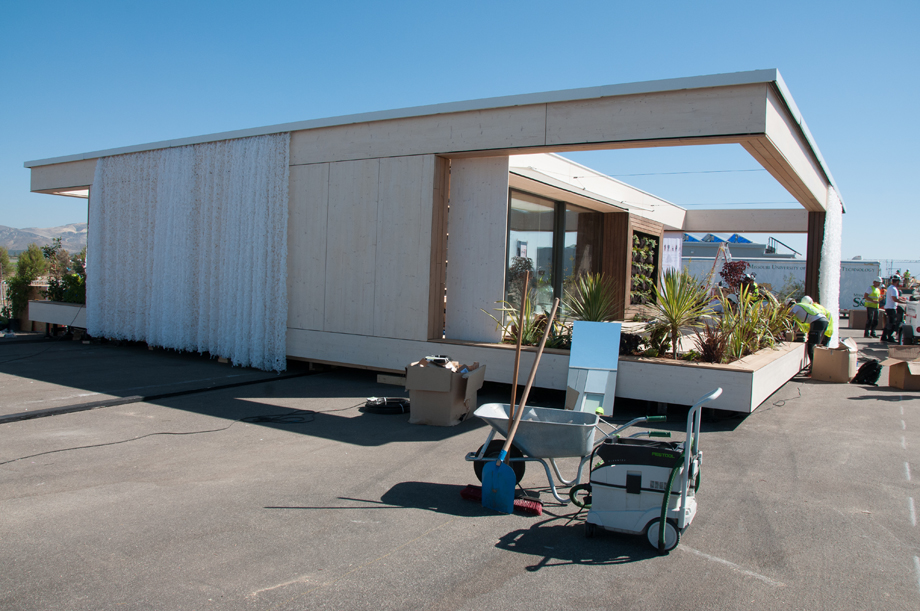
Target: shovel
{"x": 498, "y": 479}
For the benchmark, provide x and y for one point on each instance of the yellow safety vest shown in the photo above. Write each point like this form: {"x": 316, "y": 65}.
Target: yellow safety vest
{"x": 830, "y": 319}
{"x": 875, "y": 295}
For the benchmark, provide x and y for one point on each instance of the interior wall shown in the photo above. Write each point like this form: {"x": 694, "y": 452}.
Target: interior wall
{"x": 360, "y": 246}
{"x": 477, "y": 229}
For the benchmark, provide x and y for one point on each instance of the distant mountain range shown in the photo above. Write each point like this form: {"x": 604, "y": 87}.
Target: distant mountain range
{"x": 73, "y": 236}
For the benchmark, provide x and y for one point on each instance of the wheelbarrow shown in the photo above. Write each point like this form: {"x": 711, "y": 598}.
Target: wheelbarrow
{"x": 544, "y": 435}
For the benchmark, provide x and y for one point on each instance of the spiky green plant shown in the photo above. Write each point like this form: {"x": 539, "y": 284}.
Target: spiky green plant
{"x": 681, "y": 302}
{"x": 531, "y": 326}
{"x": 593, "y": 297}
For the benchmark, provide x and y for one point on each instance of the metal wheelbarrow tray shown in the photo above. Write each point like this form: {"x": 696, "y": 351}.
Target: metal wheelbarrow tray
{"x": 544, "y": 434}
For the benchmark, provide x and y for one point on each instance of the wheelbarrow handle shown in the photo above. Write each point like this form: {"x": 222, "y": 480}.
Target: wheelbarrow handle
{"x": 533, "y": 374}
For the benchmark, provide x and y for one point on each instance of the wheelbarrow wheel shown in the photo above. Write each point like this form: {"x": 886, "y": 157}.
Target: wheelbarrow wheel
{"x": 493, "y": 451}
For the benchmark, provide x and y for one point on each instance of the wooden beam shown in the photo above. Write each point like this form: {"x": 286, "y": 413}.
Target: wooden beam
{"x": 735, "y": 221}
{"x": 63, "y": 176}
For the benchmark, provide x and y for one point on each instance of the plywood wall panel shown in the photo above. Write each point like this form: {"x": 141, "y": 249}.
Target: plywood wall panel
{"x": 351, "y": 249}
{"x": 307, "y": 215}
{"x": 404, "y": 208}
{"x": 477, "y": 228}
{"x": 685, "y": 114}
{"x": 476, "y": 130}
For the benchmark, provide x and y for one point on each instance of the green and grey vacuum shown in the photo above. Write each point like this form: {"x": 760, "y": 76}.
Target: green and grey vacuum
{"x": 638, "y": 485}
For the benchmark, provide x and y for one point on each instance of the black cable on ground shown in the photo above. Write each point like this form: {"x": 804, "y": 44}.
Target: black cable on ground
{"x": 293, "y": 417}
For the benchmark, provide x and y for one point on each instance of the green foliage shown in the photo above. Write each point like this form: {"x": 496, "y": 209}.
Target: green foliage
{"x": 69, "y": 289}
{"x": 754, "y": 323}
{"x": 658, "y": 340}
{"x": 78, "y": 263}
{"x": 8, "y": 268}
{"x": 57, "y": 257}
{"x": 31, "y": 264}
{"x": 531, "y": 327}
{"x": 593, "y": 297}
{"x": 680, "y": 303}
{"x": 17, "y": 290}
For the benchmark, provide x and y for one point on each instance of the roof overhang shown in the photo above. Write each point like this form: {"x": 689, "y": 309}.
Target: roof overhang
{"x": 753, "y": 109}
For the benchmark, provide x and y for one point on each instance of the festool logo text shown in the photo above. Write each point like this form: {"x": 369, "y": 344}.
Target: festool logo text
{"x": 662, "y": 455}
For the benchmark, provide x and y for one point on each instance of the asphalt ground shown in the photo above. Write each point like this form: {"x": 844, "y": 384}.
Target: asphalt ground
{"x": 178, "y": 503}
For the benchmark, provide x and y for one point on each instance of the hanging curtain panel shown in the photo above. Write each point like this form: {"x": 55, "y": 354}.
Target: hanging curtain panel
{"x": 188, "y": 249}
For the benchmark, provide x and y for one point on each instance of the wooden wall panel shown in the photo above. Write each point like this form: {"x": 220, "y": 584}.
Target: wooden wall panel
{"x": 404, "y": 205}
{"x": 515, "y": 127}
{"x": 306, "y": 260}
{"x": 617, "y": 250}
{"x": 724, "y": 111}
{"x": 351, "y": 247}
{"x": 477, "y": 227}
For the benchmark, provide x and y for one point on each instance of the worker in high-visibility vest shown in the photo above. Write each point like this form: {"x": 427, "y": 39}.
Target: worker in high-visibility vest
{"x": 813, "y": 321}
{"x": 829, "y": 332}
{"x": 872, "y": 298}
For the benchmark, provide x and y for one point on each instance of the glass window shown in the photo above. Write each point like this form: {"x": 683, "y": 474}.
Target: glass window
{"x": 531, "y": 241}
{"x": 582, "y": 243}
{"x": 556, "y": 241}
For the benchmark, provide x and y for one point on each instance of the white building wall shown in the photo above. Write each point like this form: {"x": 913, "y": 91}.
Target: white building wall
{"x": 477, "y": 231}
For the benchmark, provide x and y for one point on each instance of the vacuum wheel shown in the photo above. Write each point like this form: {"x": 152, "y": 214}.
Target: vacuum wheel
{"x": 493, "y": 451}
{"x": 590, "y": 530}
{"x": 671, "y": 534}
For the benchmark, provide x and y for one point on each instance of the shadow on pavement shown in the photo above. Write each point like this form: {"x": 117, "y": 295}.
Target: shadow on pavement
{"x": 559, "y": 541}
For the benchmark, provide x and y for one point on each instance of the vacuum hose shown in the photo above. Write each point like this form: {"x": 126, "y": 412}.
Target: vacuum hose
{"x": 575, "y": 489}
{"x": 666, "y": 502}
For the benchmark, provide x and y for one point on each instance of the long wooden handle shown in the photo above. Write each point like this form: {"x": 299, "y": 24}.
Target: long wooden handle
{"x": 533, "y": 375}
{"x": 520, "y": 336}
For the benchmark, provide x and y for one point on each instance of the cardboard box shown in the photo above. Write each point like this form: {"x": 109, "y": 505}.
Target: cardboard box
{"x": 440, "y": 396}
{"x": 835, "y": 364}
{"x": 858, "y": 319}
{"x": 903, "y": 364}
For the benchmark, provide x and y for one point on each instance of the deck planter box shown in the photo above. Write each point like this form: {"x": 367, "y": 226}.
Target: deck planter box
{"x": 58, "y": 313}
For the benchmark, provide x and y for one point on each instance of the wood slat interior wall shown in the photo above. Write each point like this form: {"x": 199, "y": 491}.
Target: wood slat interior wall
{"x": 615, "y": 258}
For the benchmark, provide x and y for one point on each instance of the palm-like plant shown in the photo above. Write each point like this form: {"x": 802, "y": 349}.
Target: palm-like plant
{"x": 593, "y": 297}
{"x": 681, "y": 302}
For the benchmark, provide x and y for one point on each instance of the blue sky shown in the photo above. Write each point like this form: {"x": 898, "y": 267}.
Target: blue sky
{"x": 85, "y": 76}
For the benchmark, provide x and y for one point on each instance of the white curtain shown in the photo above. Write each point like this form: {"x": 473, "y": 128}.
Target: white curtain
{"x": 829, "y": 271}
{"x": 187, "y": 249}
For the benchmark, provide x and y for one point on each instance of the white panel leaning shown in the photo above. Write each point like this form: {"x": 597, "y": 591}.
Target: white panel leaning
{"x": 188, "y": 249}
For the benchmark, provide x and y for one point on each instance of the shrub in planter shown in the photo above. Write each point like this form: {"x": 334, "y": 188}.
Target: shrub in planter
{"x": 593, "y": 298}
{"x": 679, "y": 303}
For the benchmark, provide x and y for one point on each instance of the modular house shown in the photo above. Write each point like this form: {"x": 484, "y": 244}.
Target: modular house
{"x": 374, "y": 240}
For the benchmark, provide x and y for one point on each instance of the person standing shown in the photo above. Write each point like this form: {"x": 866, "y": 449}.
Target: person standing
{"x": 813, "y": 321}
{"x": 872, "y": 299}
{"x": 892, "y": 299}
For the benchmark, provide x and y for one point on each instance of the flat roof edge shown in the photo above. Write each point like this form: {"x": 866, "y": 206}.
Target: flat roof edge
{"x": 528, "y": 99}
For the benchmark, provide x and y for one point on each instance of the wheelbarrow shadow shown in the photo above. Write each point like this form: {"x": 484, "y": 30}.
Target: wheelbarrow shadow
{"x": 560, "y": 541}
